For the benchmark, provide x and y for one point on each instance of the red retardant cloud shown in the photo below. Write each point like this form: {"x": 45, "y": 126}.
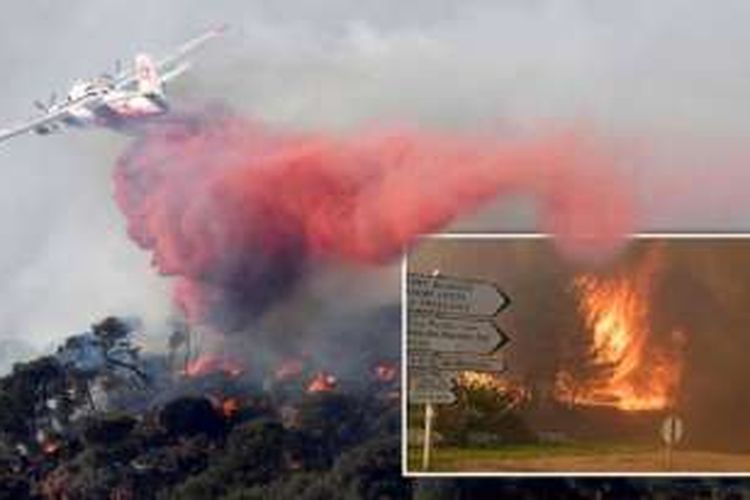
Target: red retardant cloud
{"x": 239, "y": 212}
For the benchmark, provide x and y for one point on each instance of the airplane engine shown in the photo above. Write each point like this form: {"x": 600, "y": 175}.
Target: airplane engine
{"x": 149, "y": 81}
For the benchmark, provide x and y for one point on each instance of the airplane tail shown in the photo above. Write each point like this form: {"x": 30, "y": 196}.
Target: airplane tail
{"x": 149, "y": 81}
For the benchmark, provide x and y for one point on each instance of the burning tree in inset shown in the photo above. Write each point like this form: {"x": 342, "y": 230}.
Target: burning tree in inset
{"x": 626, "y": 365}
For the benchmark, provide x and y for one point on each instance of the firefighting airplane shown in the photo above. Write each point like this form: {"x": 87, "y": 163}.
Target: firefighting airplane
{"x": 115, "y": 101}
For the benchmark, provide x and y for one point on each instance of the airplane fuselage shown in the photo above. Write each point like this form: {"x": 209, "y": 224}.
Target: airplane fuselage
{"x": 119, "y": 109}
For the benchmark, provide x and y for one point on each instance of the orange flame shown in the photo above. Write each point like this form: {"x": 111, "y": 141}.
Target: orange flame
{"x": 206, "y": 364}
{"x": 517, "y": 393}
{"x": 630, "y": 370}
{"x": 229, "y": 407}
{"x": 50, "y": 447}
{"x": 322, "y": 382}
{"x": 385, "y": 372}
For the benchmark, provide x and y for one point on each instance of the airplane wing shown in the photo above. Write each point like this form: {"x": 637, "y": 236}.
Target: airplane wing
{"x": 30, "y": 125}
{"x": 168, "y": 62}
{"x": 48, "y": 118}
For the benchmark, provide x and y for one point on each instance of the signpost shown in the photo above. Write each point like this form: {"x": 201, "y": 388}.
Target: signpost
{"x": 455, "y": 362}
{"x": 450, "y": 329}
{"x": 430, "y": 333}
{"x": 672, "y": 430}
{"x": 430, "y": 387}
{"x": 443, "y": 296}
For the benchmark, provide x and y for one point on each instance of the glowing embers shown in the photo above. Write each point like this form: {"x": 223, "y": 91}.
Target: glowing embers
{"x": 322, "y": 382}
{"x": 209, "y": 363}
{"x": 229, "y": 407}
{"x": 385, "y": 372}
{"x": 626, "y": 365}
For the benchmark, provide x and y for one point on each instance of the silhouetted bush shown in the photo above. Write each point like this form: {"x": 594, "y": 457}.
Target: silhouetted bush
{"x": 107, "y": 429}
{"x": 189, "y": 416}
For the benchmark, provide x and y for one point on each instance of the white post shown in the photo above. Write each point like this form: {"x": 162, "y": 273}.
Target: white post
{"x": 429, "y": 413}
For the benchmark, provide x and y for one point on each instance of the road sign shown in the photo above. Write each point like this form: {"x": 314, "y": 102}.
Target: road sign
{"x": 429, "y": 380}
{"x": 430, "y": 333}
{"x": 672, "y": 430}
{"x": 430, "y": 386}
{"x": 455, "y": 362}
{"x": 429, "y": 396}
{"x": 444, "y": 296}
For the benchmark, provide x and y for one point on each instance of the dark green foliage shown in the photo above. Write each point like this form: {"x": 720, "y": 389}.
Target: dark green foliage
{"x": 254, "y": 455}
{"x": 13, "y": 416}
{"x": 305, "y": 452}
{"x": 22, "y": 391}
{"x": 13, "y": 487}
{"x": 372, "y": 471}
{"x": 189, "y": 416}
{"x": 334, "y": 420}
{"x": 254, "y": 452}
{"x": 107, "y": 429}
{"x": 110, "y": 330}
{"x": 302, "y": 486}
{"x": 384, "y": 420}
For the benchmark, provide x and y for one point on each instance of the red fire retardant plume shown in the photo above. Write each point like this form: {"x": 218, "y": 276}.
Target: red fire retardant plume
{"x": 238, "y": 212}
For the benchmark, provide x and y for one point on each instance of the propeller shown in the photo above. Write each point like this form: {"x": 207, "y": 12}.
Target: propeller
{"x": 50, "y": 102}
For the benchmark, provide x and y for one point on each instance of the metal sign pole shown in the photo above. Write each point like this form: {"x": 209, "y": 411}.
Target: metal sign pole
{"x": 671, "y": 432}
{"x": 429, "y": 412}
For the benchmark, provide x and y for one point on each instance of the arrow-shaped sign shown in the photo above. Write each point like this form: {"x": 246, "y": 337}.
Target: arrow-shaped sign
{"x": 432, "y": 396}
{"x": 444, "y": 296}
{"x": 429, "y": 380}
{"x": 455, "y": 362}
{"x": 429, "y": 333}
{"x": 430, "y": 386}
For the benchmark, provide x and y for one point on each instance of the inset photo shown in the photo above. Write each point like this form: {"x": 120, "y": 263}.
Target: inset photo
{"x": 522, "y": 361}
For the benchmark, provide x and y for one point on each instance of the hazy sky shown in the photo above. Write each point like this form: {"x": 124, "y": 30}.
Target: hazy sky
{"x": 666, "y": 82}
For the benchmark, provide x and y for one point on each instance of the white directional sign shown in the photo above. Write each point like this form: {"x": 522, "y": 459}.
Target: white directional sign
{"x": 672, "y": 430}
{"x": 455, "y": 362}
{"x": 430, "y": 387}
{"x": 450, "y": 329}
{"x": 422, "y": 379}
{"x": 431, "y": 396}
{"x": 429, "y": 333}
{"x": 444, "y": 296}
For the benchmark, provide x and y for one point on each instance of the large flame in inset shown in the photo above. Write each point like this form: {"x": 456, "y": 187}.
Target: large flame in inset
{"x": 627, "y": 369}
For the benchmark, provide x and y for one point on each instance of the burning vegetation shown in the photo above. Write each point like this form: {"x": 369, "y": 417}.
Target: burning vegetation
{"x": 626, "y": 367}
{"x": 209, "y": 431}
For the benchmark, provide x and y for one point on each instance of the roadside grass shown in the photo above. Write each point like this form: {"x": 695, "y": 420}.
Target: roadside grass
{"x": 449, "y": 459}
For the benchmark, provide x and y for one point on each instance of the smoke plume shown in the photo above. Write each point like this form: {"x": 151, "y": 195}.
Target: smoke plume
{"x": 239, "y": 212}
